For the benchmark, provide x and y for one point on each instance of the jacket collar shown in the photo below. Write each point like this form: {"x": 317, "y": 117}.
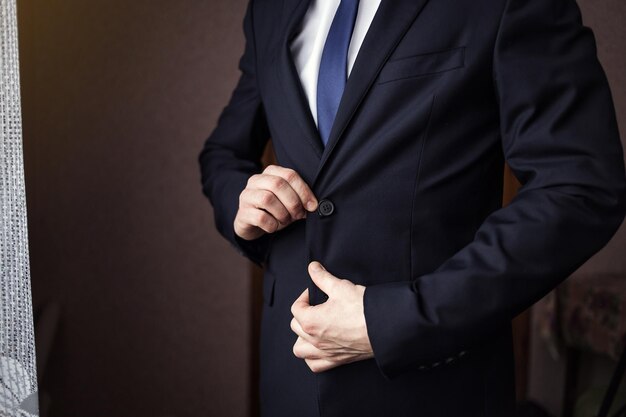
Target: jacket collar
{"x": 391, "y": 22}
{"x": 295, "y": 97}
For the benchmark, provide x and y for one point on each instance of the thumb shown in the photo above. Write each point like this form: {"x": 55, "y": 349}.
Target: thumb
{"x": 323, "y": 279}
{"x": 301, "y": 303}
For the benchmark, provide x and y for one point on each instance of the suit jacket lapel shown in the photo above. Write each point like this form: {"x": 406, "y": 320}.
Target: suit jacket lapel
{"x": 295, "y": 98}
{"x": 390, "y": 23}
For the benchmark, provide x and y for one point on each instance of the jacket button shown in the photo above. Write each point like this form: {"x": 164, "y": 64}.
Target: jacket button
{"x": 325, "y": 208}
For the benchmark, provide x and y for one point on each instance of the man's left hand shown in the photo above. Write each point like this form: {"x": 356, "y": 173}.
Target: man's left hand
{"x": 332, "y": 333}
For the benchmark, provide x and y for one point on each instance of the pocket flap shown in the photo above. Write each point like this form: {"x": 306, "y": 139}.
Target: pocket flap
{"x": 422, "y": 64}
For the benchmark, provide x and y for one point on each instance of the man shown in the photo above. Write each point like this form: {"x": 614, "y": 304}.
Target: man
{"x": 392, "y": 272}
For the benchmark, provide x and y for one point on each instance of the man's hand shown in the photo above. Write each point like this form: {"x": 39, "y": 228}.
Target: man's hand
{"x": 271, "y": 201}
{"x": 333, "y": 333}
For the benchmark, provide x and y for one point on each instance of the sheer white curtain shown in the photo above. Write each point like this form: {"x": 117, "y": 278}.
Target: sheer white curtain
{"x": 18, "y": 379}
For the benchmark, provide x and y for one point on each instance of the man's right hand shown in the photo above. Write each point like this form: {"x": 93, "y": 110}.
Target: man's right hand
{"x": 271, "y": 201}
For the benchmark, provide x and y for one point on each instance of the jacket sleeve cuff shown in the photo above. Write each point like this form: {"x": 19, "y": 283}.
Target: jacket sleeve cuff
{"x": 403, "y": 338}
{"x": 388, "y": 310}
{"x": 256, "y": 250}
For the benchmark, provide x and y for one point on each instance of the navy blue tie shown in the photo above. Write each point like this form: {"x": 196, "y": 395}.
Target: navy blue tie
{"x": 334, "y": 66}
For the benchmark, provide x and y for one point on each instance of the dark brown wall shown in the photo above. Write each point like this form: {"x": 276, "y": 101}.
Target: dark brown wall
{"x": 608, "y": 22}
{"x": 118, "y": 97}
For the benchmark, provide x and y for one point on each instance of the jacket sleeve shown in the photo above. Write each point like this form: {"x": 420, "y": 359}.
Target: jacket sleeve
{"x": 559, "y": 136}
{"x": 233, "y": 152}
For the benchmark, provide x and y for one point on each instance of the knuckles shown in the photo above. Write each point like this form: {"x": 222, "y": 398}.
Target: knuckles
{"x": 297, "y": 352}
{"x": 317, "y": 344}
{"x": 292, "y": 323}
{"x": 290, "y": 175}
{"x": 309, "y": 328}
{"x": 270, "y": 168}
{"x": 265, "y": 221}
{"x": 293, "y": 207}
{"x": 278, "y": 183}
{"x": 266, "y": 199}
{"x": 253, "y": 179}
{"x": 245, "y": 196}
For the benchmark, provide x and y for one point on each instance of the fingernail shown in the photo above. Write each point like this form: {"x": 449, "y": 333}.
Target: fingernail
{"x": 311, "y": 205}
{"x": 316, "y": 266}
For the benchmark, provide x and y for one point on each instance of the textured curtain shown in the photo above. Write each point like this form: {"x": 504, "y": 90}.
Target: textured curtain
{"x": 18, "y": 382}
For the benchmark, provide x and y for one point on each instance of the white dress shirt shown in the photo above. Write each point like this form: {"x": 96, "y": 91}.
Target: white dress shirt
{"x": 307, "y": 46}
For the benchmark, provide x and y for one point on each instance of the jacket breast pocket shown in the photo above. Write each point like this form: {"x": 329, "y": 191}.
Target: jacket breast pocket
{"x": 422, "y": 65}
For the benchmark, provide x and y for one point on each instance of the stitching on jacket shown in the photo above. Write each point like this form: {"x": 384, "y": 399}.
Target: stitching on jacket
{"x": 416, "y": 186}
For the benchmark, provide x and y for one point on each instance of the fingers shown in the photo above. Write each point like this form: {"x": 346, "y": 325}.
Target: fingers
{"x": 315, "y": 344}
{"x": 323, "y": 279}
{"x": 265, "y": 200}
{"x": 271, "y": 201}
{"x": 324, "y": 364}
{"x": 305, "y": 194}
{"x": 303, "y": 300}
{"x": 305, "y": 350}
{"x": 251, "y": 218}
{"x": 297, "y": 329}
{"x": 265, "y": 191}
{"x": 321, "y": 365}
{"x": 300, "y": 307}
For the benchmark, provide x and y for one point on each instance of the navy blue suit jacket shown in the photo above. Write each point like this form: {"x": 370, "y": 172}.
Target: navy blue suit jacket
{"x": 441, "y": 94}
